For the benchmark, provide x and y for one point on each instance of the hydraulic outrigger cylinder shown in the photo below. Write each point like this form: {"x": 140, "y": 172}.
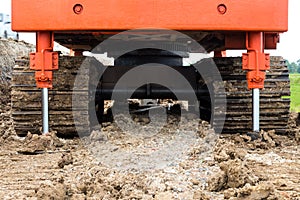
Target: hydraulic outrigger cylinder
{"x": 44, "y": 61}
{"x": 256, "y": 62}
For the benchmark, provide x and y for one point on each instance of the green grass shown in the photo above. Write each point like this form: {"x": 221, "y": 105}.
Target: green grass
{"x": 295, "y": 92}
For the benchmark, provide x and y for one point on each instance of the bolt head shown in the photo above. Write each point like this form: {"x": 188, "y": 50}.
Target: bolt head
{"x": 77, "y": 9}
{"x": 222, "y": 9}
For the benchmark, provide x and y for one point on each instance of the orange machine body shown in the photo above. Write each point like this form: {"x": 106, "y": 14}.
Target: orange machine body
{"x": 90, "y": 15}
{"x": 245, "y": 24}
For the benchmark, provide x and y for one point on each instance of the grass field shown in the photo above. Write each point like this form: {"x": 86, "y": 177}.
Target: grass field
{"x": 295, "y": 92}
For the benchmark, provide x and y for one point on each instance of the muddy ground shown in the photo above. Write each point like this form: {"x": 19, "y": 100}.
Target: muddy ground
{"x": 170, "y": 164}
{"x": 184, "y": 160}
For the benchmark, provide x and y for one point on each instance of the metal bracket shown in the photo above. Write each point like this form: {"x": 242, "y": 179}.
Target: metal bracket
{"x": 250, "y": 61}
{"x": 44, "y": 63}
{"x": 256, "y": 63}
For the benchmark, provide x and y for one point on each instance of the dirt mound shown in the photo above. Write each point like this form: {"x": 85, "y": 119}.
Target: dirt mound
{"x": 264, "y": 190}
{"x": 6, "y": 123}
{"x": 33, "y": 143}
{"x": 233, "y": 173}
{"x": 9, "y": 51}
{"x": 260, "y": 168}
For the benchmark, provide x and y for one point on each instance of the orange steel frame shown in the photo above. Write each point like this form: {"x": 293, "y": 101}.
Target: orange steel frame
{"x": 259, "y": 20}
{"x": 65, "y": 15}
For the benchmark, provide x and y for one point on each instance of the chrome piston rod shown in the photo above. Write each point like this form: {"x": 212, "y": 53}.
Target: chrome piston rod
{"x": 45, "y": 110}
{"x": 255, "y": 107}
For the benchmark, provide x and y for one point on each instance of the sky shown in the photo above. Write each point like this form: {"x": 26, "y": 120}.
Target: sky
{"x": 288, "y": 46}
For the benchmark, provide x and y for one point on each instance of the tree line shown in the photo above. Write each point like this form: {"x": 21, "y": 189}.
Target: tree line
{"x": 294, "y": 67}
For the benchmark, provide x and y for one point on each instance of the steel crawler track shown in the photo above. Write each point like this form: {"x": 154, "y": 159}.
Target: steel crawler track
{"x": 26, "y": 98}
{"x": 274, "y": 109}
